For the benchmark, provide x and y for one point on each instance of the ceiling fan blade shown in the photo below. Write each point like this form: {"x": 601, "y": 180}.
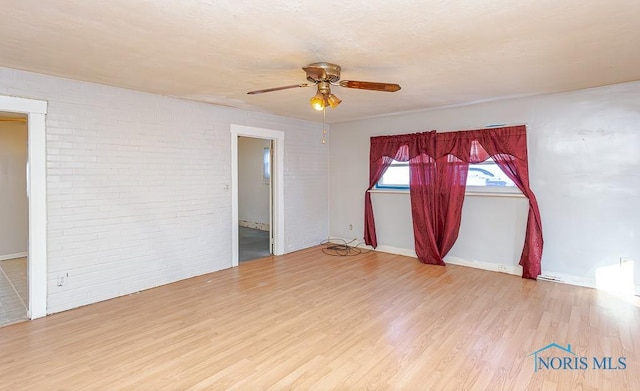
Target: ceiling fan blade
{"x": 315, "y": 73}
{"x": 278, "y": 88}
{"x": 368, "y": 85}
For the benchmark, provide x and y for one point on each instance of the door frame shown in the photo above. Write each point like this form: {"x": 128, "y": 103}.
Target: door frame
{"x": 277, "y": 183}
{"x": 36, "y": 111}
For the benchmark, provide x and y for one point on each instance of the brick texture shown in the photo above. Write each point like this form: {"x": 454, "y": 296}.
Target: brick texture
{"x": 137, "y": 186}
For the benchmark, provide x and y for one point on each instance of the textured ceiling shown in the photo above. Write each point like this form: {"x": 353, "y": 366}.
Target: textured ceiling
{"x": 441, "y": 52}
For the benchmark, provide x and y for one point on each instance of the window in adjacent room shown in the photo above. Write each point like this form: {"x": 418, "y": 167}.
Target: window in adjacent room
{"x": 266, "y": 165}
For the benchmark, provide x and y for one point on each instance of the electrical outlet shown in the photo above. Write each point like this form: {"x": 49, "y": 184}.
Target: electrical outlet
{"x": 502, "y": 268}
{"x": 62, "y": 280}
{"x": 624, "y": 260}
{"x": 350, "y": 227}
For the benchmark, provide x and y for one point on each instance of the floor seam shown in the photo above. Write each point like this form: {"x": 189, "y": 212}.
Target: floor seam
{"x": 13, "y": 287}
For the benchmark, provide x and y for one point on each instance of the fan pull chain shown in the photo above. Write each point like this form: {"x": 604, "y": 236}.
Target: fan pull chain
{"x": 324, "y": 129}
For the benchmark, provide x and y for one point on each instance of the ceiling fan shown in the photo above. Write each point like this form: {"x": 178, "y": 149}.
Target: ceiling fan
{"x": 324, "y": 75}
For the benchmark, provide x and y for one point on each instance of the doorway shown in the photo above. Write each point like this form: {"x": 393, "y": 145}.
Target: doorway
{"x": 254, "y": 198}
{"x": 14, "y": 218}
{"x": 33, "y": 112}
{"x": 275, "y": 141}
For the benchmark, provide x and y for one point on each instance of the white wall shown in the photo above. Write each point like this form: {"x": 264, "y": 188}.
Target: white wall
{"x": 584, "y": 168}
{"x": 492, "y": 230}
{"x": 14, "y": 216}
{"x": 139, "y": 186}
{"x": 253, "y": 190}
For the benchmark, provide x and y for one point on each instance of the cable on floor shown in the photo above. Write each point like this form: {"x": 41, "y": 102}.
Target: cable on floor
{"x": 342, "y": 248}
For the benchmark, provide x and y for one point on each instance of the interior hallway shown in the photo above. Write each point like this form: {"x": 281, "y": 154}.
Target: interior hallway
{"x": 13, "y": 291}
{"x": 253, "y": 244}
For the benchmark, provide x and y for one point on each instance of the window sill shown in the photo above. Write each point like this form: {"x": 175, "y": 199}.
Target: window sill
{"x": 389, "y": 191}
{"x": 472, "y": 193}
{"x": 494, "y": 194}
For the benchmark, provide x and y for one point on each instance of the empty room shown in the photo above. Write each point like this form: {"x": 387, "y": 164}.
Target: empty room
{"x": 286, "y": 195}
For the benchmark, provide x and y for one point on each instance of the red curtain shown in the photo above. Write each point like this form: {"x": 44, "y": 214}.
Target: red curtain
{"x": 508, "y": 148}
{"x": 438, "y": 164}
{"x": 377, "y": 168}
{"x": 437, "y": 193}
{"x": 383, "y": 151}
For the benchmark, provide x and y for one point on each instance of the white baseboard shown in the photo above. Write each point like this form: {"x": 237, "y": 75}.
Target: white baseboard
{"x": 516, "y": 270}
{"x": 568, "y": 279}
{"x": 577, "y": 281}
{"x": 494, "y": 267}
{"x": 352, "y": 242}
{"x": 13, "y": 256}
{"x": 398, "y": 251}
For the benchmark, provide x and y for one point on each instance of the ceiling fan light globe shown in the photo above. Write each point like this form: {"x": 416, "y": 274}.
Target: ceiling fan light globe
{"x": 318, "y": 102}
{"x": 333, "y": 101}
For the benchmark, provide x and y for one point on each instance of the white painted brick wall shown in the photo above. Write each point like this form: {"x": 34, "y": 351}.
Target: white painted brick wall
{"x": 136, "y": 186}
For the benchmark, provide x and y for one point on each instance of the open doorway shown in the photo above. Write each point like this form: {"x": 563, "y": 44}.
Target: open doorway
{"x": 267, "y": 217}
{"x": 254, "y": 198}
{"x": 14, "y": 218}
{"x": 33, "y": 112}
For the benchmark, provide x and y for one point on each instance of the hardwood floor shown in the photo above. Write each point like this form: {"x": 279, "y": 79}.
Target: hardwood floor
{"x": 311, "y": 321}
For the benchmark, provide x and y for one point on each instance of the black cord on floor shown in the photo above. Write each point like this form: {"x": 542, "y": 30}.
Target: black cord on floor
{"x": 342, "y": 248}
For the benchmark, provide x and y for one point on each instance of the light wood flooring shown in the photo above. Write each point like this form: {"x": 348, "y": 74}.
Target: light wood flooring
{"x": 309, "y": 321}
{"x": 13, "y": 291}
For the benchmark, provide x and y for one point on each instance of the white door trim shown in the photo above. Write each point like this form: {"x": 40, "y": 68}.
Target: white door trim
{"x": 277, "y": 181}
{"x": 37, "y": 192}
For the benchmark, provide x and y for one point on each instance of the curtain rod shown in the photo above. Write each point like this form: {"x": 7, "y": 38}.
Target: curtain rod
{"x": 505, "y": 125}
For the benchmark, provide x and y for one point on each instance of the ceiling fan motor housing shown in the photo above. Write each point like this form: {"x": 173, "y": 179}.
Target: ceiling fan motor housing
{"x": 331, "y": 72}
{"x": 323, "y": 75}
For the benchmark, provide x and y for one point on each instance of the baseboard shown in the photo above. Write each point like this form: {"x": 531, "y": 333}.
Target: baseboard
{"x": 13, "y": 256}
{"x": 494, "y": 267}
{"x": 577, "y": 281}
{"x": 568, "y": 279}
{"x": 254, "y": 225}
{"x": 515, "y": 270}
{"x": 397, "y": 251}
{"x": 352, "y": 242}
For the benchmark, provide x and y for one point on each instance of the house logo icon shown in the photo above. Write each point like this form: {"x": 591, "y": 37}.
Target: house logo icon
{"x": 557, "y": 357}
{"x": 537, "y": 355}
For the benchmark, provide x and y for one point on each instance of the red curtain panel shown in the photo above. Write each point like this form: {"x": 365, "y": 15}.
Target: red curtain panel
{"x": 438, "y": 165}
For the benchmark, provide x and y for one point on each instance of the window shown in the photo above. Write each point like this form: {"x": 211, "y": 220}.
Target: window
{"x": 488, "y": 174}
{"x": 484, "y": 177}
{"x": 396, "y": 176}
{"x": 266, "y": 165}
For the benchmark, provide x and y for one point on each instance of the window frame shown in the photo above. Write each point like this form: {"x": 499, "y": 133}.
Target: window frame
{"x": 469, "y": 189}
